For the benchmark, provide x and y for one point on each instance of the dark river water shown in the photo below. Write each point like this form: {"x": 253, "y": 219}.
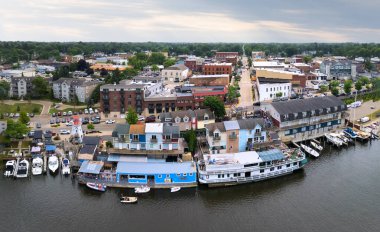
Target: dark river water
{"x": 340, "y": 191}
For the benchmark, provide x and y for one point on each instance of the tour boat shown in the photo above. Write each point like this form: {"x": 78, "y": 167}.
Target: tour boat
{"x": 175, "y": 189}
{"x": 95, "y": 186}
{"x": 53, "y": 164}
{"x": 37, "y": 166}
{"x": 316, "y": 146}
{"x": 10, "y": 168}
{"x": 310, "y": 150}
{"x": 334, "y": 140}
{"x": 142, "y": 189}
{"x": 22, "y": 169}
{"x": 349, "y": 132}
{"x": 244, "y": 167}
{"x": 128, "y": 200}
{"x": 65, "y": 166}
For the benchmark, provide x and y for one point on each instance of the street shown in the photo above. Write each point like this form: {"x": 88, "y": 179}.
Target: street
{"x": 246, "y": 97}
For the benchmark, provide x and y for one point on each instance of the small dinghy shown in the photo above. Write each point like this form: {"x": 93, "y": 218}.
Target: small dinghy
{"x": 142, "y": 189}
{"x": 175, "y": 189}
{"x": 316, "y": 145}
{"x": 97, "y": 187}
{"x": 128, "y": 200}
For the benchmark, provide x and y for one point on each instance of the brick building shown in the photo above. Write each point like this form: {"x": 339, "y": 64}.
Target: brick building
{"x": 210, "y": 80}
{"x": 217, "y": 68}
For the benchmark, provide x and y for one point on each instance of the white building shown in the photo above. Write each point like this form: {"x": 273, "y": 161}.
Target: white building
{"x": 273, "y": 88}
{"x": 66, "y": 88}
{"x": 21, "y": 86}
{"x": 175, "y": 73}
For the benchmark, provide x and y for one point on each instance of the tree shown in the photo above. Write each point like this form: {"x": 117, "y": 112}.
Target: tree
{"x": 4, "y": 90}
{"x": 41, "y": 88}
{"x": 63, "y": 71}
{"x": 169, "y": 62}
{"x": 90, "y": 126}
{"x": 279, "y": 94}
{"x": 368, "y": 65}
{"x": 335, "y": 91}
{"x": 334, "y": 84}
{"x": 15, "y": 130}
{"x": 129, "y": 73}
{"x": 358, "y": 85}
{"x": 232, "y": 94}
{"x": 82, "y": 65}
{"x": 306, "y": 59}
{"x": 155, "y": 68}
{"x": 191, "y": 140}
{"x": 132, "y": 117}
{"x": 156, "y": 58}
{"x": 239, "y": 63}
{"x": 323, "y": 88}
{"x": 347, "y": 86}
{"x": 103, "y": 72}
{"x": 216, "y": 105}
{"x": 95, "y": 95}
{"x": 109, "y": 144}
{"x": 24, "y": 119}
{"x": 18, "y": 108}
{"x": 249, "y": 62}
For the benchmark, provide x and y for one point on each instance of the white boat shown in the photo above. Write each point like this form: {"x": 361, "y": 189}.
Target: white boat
{"x": 343, "y": 139}
{"x": 175, "y": 189}
{"x": 334, "y": 140}
{"x": 128, "y": 200}
{"x": 37, "y": 166}
{"x": 53, "y": 163}
{"x": 65, "y": 166}
{"x": 22, "y": 169}
{"x": 316, "y": 146}
{"x": 310, "y": 150}
{"x": 97, "y": 187}
{"x": 142, "y": 189}
{"x": 10, "y": 168}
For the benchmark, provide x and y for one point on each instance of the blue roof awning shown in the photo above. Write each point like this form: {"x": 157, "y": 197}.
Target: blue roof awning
{"x": 50, "y": 147}
{"x": 270, "y": 155}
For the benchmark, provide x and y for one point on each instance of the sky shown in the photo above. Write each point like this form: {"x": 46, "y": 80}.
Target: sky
{"x": 288, "y": 21}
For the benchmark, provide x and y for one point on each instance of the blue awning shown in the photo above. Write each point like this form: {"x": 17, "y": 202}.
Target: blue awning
{"x": 270, "y": 155}
{"x": 50, "y": 147}
{"x": 91, "y": 167}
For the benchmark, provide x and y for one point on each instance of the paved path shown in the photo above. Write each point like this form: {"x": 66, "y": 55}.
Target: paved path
{"x": 246, "y": 97}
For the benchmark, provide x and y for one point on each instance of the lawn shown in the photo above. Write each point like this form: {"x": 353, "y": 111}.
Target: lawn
{"x": 54, "y": 110}
{"x": 24, "y": 107}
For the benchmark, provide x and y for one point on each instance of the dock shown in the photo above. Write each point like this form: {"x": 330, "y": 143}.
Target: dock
{"x": 44, "y": 170}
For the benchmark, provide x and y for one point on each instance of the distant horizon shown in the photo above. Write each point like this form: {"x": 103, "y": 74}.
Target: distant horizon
{"x": 179, "y": 42}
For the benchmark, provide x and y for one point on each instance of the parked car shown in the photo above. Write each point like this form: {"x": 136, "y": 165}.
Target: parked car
{"x": 53, "y": 114}
{"x": 70, "y": 113}
{"x": 86, "y": 111}
{"x": 96, "y": 121}
{"x": 6, "y": 115}
{"x": 96, "y": 111}
{"x": 31, "y": 115}
{"x": 11, "y": 115}
{"x": 17, "y": 115}
{"x": 57, "y": 121}
{"x": 38, "y": 125}
{"x": 64, "y": 113}
{"x": 97, "y": 117}
{"x": 109, "y": 121}
{"x": 141, "y": 118}
{"x": 69, "y": 123}
{"x": 75, "y": 113}
{"x": 27, "y": 114}
{"x": 64, "y": 132}
{"x": 80, "y": 112}
{"x": 59, "y": 114}
{"x": 52, "y": 121}
{"x": 150, "y": 118}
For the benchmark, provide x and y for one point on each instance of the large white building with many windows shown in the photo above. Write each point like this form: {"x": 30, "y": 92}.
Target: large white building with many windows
{"x": 273, "y": 88}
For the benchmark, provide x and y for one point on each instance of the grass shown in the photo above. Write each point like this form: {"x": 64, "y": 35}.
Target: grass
{"x": 373, "y": 115}
{"x": 54, "y": 110}
{"x": 24, "y": 107}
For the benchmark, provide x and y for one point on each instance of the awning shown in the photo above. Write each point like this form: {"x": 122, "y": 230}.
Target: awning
{"x": 123, "y": 158}
{"x": 50, "y": 148}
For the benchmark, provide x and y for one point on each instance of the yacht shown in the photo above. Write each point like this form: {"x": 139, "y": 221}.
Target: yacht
{"x": 350, "y": 133}
{"x": 250, "y": 166}
{"x": 37, "y": 166}
{"x": 10, "y": 168}
{"x": 53, "y": 164}
{"x": 22, "y": 169}
{"x": 65, "y": 164}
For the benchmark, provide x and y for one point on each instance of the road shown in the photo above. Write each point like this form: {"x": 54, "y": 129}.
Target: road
{"x": 363, "y": 110}
{"x": 246, "y": 97}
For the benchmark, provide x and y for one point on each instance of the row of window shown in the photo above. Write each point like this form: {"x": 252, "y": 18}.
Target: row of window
{"x": 183, "y": 174}
{"x": 277, "y": 89}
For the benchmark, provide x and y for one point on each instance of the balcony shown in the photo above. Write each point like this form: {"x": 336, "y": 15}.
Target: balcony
{"x": 216, "y": 138}
{"x": 232, "y": 137}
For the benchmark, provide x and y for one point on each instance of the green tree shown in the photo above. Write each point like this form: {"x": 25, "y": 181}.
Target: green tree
{"x": 334, "y": 84}
{"x": 103, "y": 72}
{"x": 132, "y": 117}
{"x": 169, "y": 62}
{"x": 279, "y": 94}
{"x": 155, "y": 68}
{"x": 334, "y": 91}
{"x": 82, "y": 65}
{"x": 95, "y": 95}
{"x": 156, "y": 58}
{"x": 191, "y": 140}
{"x": 249, "y": 62}
{"x": 358, "y": 85}
{"x": 41, "y": 88}
{"x": 129, "y": 73}
{"x": 368, "y": 65}
{"x": 216, "y": 105}
{"x": 4, "y": 90}
{"x": 323, "y": 88}
{"x": 239, "y": 63}
{"x": 23, "y": 118}
{"x": 109, "y": 144}
{"x": 90, "y": 126}
{"x": 15, "y": 130}
{"x": 347, "y": 86}
{"x": 364, "y": 80}
{"x": 307, "y": 59}
{"x": 232, "y": 94}
{"x": 18, "y": 108}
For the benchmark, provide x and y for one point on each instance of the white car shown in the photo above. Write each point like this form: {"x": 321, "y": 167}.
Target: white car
{"x": 109, "y": 121}
{"x": 141, "y": 118}
{"x": 69, "y": 113}
{"x": 96, "y": 111}
{"x": 64, "y": 132}
{"x": 69, "y": 123}
{"x": 86, "y": 111}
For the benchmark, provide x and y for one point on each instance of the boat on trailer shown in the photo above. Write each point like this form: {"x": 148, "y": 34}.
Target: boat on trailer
{"x": 96, "y": 186}
{"x": 310, "y": 151}
{"x": 316, "y": 145}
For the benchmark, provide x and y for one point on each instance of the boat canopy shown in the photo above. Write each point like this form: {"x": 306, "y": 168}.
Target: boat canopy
{"x": 270, "y": 155}
{"x": 50, "y": 147}
{"x": 36, "y": 149}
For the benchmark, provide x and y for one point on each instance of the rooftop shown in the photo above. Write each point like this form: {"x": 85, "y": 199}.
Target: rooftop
{"x": 154, "y": 127}
{"x": 92, "y": 167}
{"x": 211, "y": 76}
{"x": 137, "y": 129}
{"x": 218, "y": 64}
{"x": 155, "y": 168}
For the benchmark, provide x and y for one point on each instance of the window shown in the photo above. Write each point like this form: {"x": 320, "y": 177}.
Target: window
{"x": 216, "y": 135}
{"x": 135, "y": 137}
{"x": 177, "y": 119}
{"x": 190, "y": 174}
{"x": 272, "y": 169}
{"x": 235, "y": 174}
{"x": 184, "y": 174}
{"x": 295, "y": 164}
{"x": 154, "y": 137}
{"x": 206, "y": 117}
{"x": 178, "y": 174}
{"x": 288, "y": 165}
{"x": 257, "y": 131}
{"x": 261, "y": 170}
{"x": 279, "y": 167}
{"x": 186, "y": 119}
{"x": 219, "y": 176}
{"x": 167, "y": 175}
{"x": 159, "y": 176}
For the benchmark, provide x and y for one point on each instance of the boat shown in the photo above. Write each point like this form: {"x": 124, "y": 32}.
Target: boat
{"x": 65, "y": 166}
{"x": 22, "y": 169}
{"x": 53, "y": 164}
{"x": 316, "y": 145}
{"x": 310, "y": 150}
{"x": 10, "y": 168}
{"x": 362, "y": 135}
{"x": 175, "y": 189}
{"x": 128, "y": 200}
{"x": 350, "y": 133}
{"x": 343, "y": 139}
{"x": 334, "y": 140}
{"x": 142, "y": 189}
{"x": 216, "y": 170}
{"x": 95, "y": 186}
{"x": 37, "y": 166}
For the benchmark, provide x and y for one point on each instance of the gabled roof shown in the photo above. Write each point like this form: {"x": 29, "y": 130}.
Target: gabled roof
{"x": 120, "y": 129}
{"x": 91, "y": 140}
{"x": 213, "y": 126}
{"x": 175, "y": 114}
{"x": 250, "y": 123}
{"x": 231, "y": 125}
{"x": 87, "y": 149}
{"x": 168, "y": 130}
{"x": 201, "y": 113}
{"x": 137, "y": 129}
{"x": 154, "y": 128}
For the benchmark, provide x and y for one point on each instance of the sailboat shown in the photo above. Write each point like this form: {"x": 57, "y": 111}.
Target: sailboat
{"x": 310, "y": 150}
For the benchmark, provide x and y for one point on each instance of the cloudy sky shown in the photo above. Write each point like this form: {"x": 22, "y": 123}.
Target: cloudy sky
{"x": 191, "y": 21}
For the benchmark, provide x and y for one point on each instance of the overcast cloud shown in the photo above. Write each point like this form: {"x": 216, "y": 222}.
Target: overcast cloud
{"x": 191, "y": 21}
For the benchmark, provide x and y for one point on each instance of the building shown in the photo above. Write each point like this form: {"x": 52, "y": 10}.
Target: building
{"x": 175, "y": 73}
{"x": 77, "y": 58}
{"x": 230, "y": 57}
{"x": 273, "y": 88}
{"x": 21, "y": 86}
{"x": 258, "y": 55}
{"x": 338, "y": 69}
{"x": 235, "y": 136}
{"x": 189, "y": 119}
{"x": 296, "y": 78}
{"x": 3, "y": 126}
{"x": 217, "y": 68}
{"x": 194, "y": 63}
{"x": 66, "y": 89}
{"x": 306, "y": 118}
{"x": 210, "y": 80}
{"x": 268, "y": 64}
{"x": 304, "y": 68}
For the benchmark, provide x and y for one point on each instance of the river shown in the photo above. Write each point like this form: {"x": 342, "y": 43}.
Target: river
{"x": 339, "y": 191}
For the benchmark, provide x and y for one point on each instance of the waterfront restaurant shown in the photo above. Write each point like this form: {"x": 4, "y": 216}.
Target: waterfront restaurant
{"x": 90, "y": 169}
{"x": 157, "y": 174}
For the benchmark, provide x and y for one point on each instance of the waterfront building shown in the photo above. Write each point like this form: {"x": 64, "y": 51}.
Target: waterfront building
{"x": 273, "y": 88}
{"x": 302, "y": 119}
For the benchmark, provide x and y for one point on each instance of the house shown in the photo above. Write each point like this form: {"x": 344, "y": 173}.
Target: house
{"x": 216, "y": 137}
{"x": 153, "y": 133}
{"x": 175, "y": 73}
{"x": 137, "y": 137}
{"x": 306, "y": 118}
{"x": 273, "y": 88}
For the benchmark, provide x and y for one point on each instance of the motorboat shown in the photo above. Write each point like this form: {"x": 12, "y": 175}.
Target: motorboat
{"x": 37, "y": 166}
{"x": 310, "y": 150}
{"x": 97, "y": 187}
{"x": 175, "y": 189}
{"x": 316, "y": 145}
{"x": 10, "y": 168}
{"x": 142, "y": 189}
{"x": 65, "y": 166}
{"x": 343, "y": 139}
{"x": 128, "y": 200}
{"x": 349, "y": 132}
{"x": 334, "y": 140}
{"x": 22, "y": 169}
{"x": 53, "y": 164}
